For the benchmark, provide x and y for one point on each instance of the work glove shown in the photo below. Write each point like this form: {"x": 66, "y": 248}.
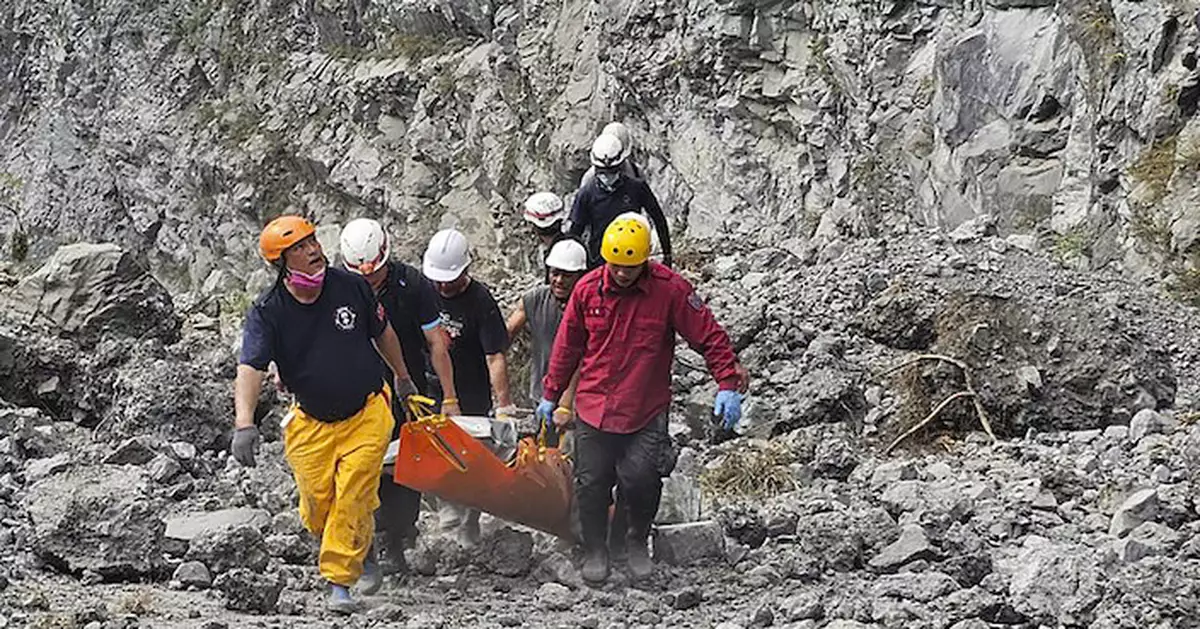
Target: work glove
{"x": 405, "y": 388}
{"x": 728, "y": 408}
{"x": 245, "y": 442}
{"x": 545, "y": 414}
{"x": 507, "y": 412}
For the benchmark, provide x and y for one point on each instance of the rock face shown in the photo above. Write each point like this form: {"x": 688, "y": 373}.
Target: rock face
{"x": 87, "y": 290}
{"x": 98, "y": 520}
{"x": 1003, "y": 109}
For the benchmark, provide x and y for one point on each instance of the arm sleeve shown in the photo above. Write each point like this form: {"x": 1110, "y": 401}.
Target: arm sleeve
{"x": 493, "y": 334}
{"x": 257, "y": 348}
{"x": 569, "y": 343}
{"x": 692, "y": 318}
{"x": 427, "y": 305}
{"x": 650, "y": 203}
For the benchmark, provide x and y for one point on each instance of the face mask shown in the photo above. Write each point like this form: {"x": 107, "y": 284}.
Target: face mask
{"x": 306, "y": 281}
{"x": 608, "y": 180}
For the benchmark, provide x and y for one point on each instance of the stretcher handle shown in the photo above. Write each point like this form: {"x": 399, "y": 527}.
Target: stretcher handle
{"x": 542, "y": 432}
{"x": 421, "y": 407}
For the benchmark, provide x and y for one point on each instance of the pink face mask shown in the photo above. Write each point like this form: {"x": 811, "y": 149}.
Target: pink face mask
{"x": 306, "y": 281}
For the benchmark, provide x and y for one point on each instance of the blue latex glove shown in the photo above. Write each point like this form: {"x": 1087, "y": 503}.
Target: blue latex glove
{"x": 728, "y": 408}
{"x": 545, "y": 413}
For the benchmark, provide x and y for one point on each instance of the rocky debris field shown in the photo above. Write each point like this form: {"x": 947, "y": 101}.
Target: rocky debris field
{"x": 119, "y": 506}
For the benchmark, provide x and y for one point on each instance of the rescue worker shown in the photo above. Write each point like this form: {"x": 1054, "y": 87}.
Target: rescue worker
{"x": 620, "y": 325}
{"x": 471, "y": 319}
{"x": 541, "y": 309}
{"x": 610, "y": 194}
{"x": 628, "y": 167}
{"x": 546, "y": 212}
{"x": 412, "y": 309}
{"x": 326, "y": 332}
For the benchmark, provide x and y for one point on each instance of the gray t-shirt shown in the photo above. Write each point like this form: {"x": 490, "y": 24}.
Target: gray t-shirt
{"x": 543, "y": 314}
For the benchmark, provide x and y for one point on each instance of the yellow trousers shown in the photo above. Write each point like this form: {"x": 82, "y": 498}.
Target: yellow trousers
{"x": 337, "y": 474}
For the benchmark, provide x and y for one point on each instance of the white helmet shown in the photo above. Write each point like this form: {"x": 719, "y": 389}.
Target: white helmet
{"x": 544, "y": 209}
{"x": 447, "y": 256}
{"x": 364, "y": 246}
{"x": 621, "y": 132}
{"x": 607, "y": 152}
{"x": 567, "y": 255}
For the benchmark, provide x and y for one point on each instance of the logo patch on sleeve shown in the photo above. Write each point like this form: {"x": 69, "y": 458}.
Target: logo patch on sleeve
{"x": 380, "y": 313}
{"x": 695, "y": 302}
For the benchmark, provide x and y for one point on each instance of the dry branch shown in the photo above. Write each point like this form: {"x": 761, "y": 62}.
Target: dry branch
{"x": 969, "y": 392}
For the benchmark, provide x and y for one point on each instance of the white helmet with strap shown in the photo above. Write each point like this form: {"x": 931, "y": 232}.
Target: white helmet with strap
{"x": 544, "y": 209}
{"x": 607, "y": 152}
{"x": 364, "y": 246}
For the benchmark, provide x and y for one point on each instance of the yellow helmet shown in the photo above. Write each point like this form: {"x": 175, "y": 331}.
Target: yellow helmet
{"x": 626, "y": 242}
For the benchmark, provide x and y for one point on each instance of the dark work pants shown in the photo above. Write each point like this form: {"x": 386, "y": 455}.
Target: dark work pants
{"x": 633, "y": 463}
{"x": 396, "y": 518}
{"x": 399, "y": 507}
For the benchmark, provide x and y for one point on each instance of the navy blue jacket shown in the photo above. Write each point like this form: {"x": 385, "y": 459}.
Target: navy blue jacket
{"x": 595, "y": 208}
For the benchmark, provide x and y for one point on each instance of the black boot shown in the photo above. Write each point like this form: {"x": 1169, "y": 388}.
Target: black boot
{"x": 618, "y": 531}
{"x": 640, "y": 566}
{"x": 595, "y": 565}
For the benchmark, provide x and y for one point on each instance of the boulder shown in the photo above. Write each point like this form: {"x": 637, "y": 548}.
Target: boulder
{"x": 689, "y": 544}
{"x": 87, "y": 290}
{"x": 190, "y": 526}
{"x": 922, "y": 587}
{"x": 98, "y": 519}
{"x": 225, "y": 549}
{"x": 248, "y": 590}
{"x": 192, "y": 574}
{"x": 912, "y": 545}
{"x": 554, "y": 597}
{"x": 1053, "y": 582}
{"x": 1141, "y": 506}
{"x": 508, "y": 552}
{"x": 1149, "y": 422}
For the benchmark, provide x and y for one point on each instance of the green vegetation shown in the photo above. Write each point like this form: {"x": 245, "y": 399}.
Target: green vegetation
{"x": 1071, "y": 245}
{"x": 1154, "y": 168}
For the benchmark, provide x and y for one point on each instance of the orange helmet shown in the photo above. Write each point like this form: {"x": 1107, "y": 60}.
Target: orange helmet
{"x": 282, "y": 233}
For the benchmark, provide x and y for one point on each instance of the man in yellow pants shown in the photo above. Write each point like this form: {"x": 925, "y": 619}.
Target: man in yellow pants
{"x": 325, "y": 331}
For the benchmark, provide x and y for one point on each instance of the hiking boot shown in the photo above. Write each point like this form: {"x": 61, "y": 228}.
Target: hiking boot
{"x": 340, "y": 601}
{"x": 372, "y": 576}
{"x": 618, "y": 551}
{"x": 640, "y": 566}
{"x": 595, "y": 565}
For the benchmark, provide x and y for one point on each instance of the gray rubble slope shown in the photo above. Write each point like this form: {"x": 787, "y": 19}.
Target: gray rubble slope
{"x": 1082, "y": 519}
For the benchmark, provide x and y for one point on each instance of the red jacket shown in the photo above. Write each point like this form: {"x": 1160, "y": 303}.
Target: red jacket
{"x": 626, "y": 340}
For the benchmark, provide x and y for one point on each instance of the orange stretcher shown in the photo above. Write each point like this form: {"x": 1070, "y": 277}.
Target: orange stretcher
{"x": 439, "y": 457}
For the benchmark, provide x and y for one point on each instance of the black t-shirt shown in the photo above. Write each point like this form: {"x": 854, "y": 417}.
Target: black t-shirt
{"x": 412, "y": 307}
{"x": 475, "y": 326}
{"x": 323, "y": 349}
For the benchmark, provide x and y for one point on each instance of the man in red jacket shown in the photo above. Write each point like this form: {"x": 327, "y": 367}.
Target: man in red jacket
{"x": 621, "y": 322}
